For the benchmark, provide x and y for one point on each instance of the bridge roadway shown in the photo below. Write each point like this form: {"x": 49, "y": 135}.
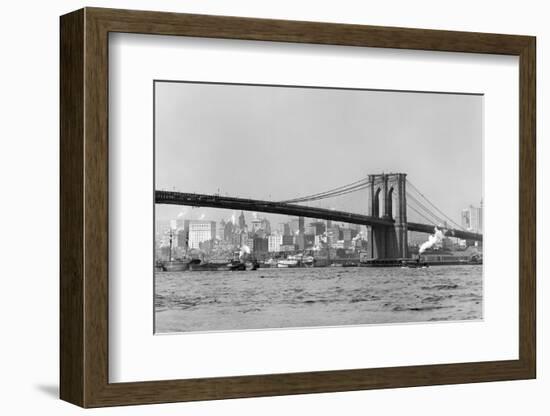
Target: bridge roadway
{"x": 226, "y": 202}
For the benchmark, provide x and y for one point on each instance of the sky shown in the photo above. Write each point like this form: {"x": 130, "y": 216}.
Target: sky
{"x": 276, "y": 143}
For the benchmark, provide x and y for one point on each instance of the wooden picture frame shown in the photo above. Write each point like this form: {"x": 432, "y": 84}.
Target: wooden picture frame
{"x": 84, "y": 207}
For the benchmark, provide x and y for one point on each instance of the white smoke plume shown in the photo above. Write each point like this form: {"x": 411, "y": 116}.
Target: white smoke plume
{"x": 244, "y": 250}
{"x": 182, "y": 213}
{"x": 433, "y": 239}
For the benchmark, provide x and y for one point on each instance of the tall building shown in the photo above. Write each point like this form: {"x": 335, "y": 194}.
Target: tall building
{"x": 285, "y": 228}
{"x": 301, "y": 225}
{"x": 260, "y": 246}
{"x": 274, "y": 242}
{"x": 200, "y": 231}
{"x": 472, "y": 218}
{"x": 242, "y": 222}
{"x": 318, "y": 227}
{"x": 183, "y": 236}
{"x": 256, "y": 225}
{"x": 294, "y": 226}
{"x": 288, "y": 240}
{"x": 333, "y": 235}
{"x": 229, "y": 229}
{"x": 183, "y": 233}
{"x": 221, "y": 231}
{"x": 300, "y": 241}
{"x": 309, "y": 241}
{"x": 266, "y": 226}
{"x": 347, "y": 234}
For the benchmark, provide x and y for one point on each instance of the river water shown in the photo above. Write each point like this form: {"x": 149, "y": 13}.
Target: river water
{"x": 310, "y": 297}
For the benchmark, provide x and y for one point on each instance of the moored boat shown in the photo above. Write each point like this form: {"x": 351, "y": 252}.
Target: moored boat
{"x": 175, "y": 265}
{"x": 285, "y": 263}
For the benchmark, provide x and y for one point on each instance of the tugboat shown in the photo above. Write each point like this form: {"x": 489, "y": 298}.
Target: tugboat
{"x": 236, "y": 266}
{"x": 242, "y": 261}
{"x": 417, "y": 264}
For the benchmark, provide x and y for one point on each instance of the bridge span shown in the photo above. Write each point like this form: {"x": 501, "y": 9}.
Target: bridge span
{"x": 273, "y": 207}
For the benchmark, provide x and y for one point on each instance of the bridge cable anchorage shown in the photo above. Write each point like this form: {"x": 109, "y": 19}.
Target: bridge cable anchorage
{"x": 438, "y": 220}
{"x": 433, "y": 205}
{"x": 341, "y": 190}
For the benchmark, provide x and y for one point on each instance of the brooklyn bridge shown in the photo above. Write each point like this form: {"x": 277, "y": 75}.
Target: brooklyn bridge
{"x": 388, "y": 202}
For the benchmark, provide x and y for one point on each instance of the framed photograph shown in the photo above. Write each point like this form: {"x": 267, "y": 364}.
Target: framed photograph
{"x": 255, "y": 207}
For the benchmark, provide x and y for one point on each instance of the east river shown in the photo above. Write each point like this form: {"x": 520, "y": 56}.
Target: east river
{"x": 311, "y": 297}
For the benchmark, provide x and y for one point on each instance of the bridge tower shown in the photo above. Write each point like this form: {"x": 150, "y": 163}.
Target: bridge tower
{"x": 388, "y": 242}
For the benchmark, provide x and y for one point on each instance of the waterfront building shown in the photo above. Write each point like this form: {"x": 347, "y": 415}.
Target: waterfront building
{"x": 200, "y": 231}
{"x": 287, "y": 248}
{"x": 274, "y": 242}
{"x": 288, "y": 240}
{"x": 300, "y": 241}
{"x": 259, "y": 246}
{"x": 447, "y": 243}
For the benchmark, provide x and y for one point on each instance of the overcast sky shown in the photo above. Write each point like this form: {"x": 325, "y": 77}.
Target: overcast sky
{"x": 276, "y": 143}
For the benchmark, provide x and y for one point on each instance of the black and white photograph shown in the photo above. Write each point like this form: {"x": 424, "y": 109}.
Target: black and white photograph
{"x": 288, "y": 206}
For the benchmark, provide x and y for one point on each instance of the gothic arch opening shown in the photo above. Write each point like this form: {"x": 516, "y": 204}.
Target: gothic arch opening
{"x": 376, "y": 203}
{"x": 390, "y": 205}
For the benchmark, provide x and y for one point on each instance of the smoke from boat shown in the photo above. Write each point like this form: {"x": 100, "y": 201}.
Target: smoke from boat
{"x": 244, "y": 250}
{"x": 433, "y": 239}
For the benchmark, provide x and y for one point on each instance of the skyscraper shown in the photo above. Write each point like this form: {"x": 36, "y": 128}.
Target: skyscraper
{"x": 472, "y": 218}
{"x": 242, "y": 222}
{"x": 228, "y": 230}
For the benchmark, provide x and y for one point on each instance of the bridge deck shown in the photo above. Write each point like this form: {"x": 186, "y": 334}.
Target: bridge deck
{"x": 218, "y": 201}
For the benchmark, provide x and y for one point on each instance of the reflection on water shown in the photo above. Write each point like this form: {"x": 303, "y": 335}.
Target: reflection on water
{"x": 283, "y": 298}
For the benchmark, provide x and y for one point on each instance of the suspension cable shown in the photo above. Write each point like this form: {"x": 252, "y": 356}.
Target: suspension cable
{"x": 432, "y": 204}
{"x": 424, "y": 208}
{"x": 354, "y": 186}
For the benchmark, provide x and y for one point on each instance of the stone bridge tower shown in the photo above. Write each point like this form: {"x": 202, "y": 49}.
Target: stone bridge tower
{"x": 388, "y": 200}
